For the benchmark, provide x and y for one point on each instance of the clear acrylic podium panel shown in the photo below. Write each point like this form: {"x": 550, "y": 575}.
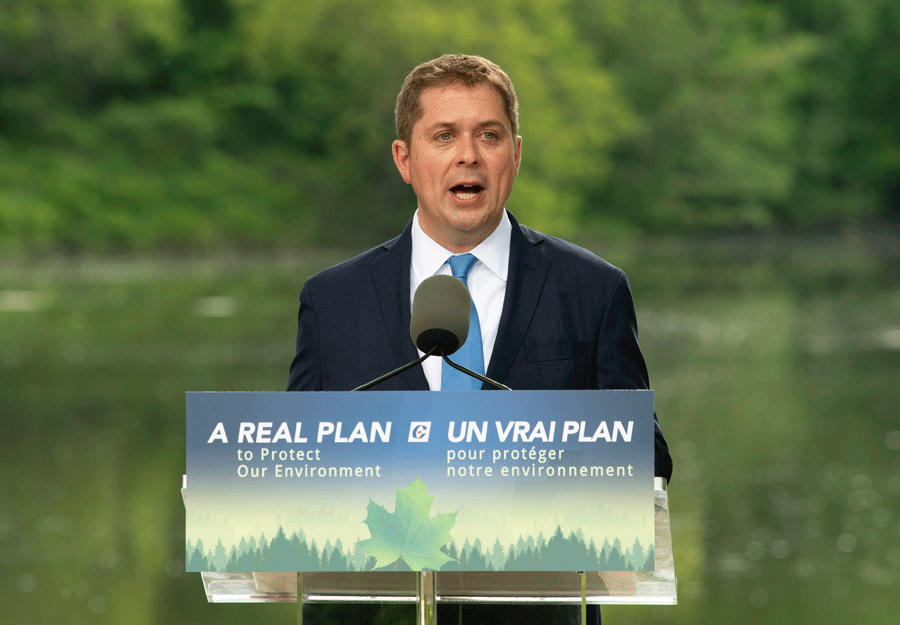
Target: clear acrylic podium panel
{"x": 612, "y": 587}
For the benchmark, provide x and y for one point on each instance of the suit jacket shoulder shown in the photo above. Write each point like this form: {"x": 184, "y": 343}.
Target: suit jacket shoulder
{"x": 350, "y": 272}
{"x": 582, "y": 264}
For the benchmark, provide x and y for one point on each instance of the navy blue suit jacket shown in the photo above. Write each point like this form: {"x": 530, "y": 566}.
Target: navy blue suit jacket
{"x": 568, "y": 322}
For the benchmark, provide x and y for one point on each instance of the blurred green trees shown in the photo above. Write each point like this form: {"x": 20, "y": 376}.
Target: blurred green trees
{"x": 185, "y": 124}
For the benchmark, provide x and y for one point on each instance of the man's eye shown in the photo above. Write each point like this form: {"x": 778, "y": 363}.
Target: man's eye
{"x": 490, "y": 136}
{"x": 444, "y": 136}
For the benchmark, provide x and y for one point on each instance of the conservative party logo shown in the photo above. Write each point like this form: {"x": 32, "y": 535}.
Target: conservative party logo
{"x": 419, "y": 431}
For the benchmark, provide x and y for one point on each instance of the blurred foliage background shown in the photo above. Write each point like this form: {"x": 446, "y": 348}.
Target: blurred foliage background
{"x": 195, "y": 124}
{"x": 171, "y": 171}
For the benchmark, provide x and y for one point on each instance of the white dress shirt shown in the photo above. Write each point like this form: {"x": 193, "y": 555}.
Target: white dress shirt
{"x": 487, "y": 283}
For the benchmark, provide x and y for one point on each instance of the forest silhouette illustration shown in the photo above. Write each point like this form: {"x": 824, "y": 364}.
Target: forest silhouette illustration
{"x": 410, "y": 539}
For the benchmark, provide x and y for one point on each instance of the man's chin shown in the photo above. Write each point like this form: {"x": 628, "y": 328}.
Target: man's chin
{"x": 469, "y": 219}
{"x": 472, "y": 228}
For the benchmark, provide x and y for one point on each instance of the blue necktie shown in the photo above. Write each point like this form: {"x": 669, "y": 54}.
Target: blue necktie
{"x": 471, "y": 354}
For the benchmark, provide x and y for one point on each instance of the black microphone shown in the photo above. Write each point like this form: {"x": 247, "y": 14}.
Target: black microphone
{"x": 440, "y": 315}
{"x": 439, "y": 324}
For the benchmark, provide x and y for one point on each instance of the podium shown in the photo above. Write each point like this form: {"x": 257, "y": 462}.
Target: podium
{"x": 426, "y": 588}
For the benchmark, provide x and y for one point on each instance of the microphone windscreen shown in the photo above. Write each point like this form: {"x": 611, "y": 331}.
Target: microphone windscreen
{"x": 440, "y": 314}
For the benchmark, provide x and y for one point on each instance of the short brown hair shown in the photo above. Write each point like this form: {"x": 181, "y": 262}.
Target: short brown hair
{"x": 451, "y": 69}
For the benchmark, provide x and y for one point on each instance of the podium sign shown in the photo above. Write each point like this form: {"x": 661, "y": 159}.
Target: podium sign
{"x": 400, "y": 481}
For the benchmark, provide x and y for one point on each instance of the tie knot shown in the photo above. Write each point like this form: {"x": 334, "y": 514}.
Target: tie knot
{"x": 461, "y": 265}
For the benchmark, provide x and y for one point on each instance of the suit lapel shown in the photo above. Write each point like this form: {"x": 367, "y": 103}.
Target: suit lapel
{"x": 528, "y": 268}
{"x": 390, "y": 273}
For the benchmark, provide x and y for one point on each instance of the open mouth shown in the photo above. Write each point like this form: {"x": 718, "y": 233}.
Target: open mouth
{"x": 466, "y": 191}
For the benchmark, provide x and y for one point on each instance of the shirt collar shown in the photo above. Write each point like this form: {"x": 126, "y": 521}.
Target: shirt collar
{"x": 428, "y": 255}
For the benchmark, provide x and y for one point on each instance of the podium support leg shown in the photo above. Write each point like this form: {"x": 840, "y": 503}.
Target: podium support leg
{"x": 299, "y": 598}
{"x": 583, "y": 598}
{"x": 426, "y": 612}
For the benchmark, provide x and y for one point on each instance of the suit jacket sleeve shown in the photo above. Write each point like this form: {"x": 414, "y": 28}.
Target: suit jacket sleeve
{"x": 619, "y": 363}
{"x": 306, "y": 370}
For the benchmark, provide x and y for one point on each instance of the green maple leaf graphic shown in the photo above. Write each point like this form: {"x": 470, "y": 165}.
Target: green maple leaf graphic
{"x": 408, "y": 534}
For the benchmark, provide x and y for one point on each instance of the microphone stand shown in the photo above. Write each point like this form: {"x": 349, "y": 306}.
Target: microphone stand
{"x": 410, "y": 365}
{"x": 431, "y": 352}
{"x": 502, "y": 387}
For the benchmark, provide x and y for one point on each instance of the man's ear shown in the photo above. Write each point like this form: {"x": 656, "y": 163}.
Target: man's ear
{"x": 401, "y": 159}
{"x": 518, "y": 153}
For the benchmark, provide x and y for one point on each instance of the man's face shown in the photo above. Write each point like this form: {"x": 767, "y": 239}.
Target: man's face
{"x": 462, "y": 160}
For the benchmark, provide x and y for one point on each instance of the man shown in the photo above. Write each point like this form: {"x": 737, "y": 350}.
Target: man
{"x": 550, "y": 315}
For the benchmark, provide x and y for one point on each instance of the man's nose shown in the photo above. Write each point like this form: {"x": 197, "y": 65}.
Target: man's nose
{"x": 468, "y": 152}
